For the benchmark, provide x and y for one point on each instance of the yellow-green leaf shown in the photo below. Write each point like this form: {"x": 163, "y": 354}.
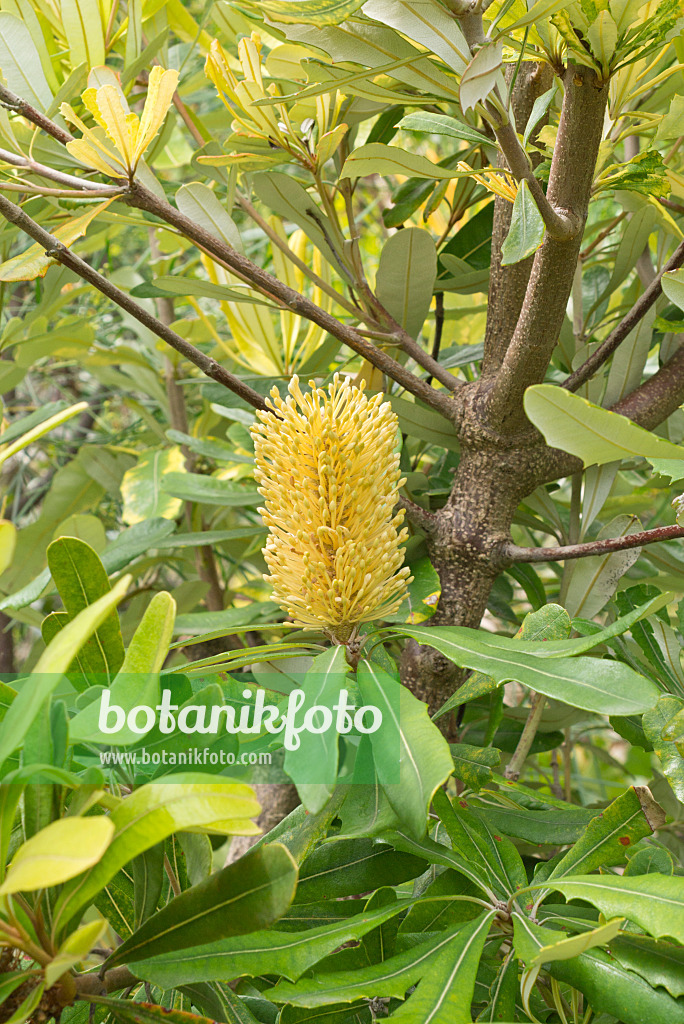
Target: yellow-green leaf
{"x": 8, "y": 542}
{"x": 593, "y": 434}
{"x": 34, "y": 262}
{"x": 57, "y": 853}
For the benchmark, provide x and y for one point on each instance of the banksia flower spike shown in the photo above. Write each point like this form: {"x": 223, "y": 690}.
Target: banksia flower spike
{"x": 327, "y": 469}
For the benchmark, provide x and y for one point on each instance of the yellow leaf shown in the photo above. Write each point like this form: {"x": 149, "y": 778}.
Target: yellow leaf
{"x": 74, "y": 948}
{"x": 34, "y": 263}
{"x": 69, "y": 114}
{"x": 57, "y": 853}
{"x": 160, "y": 90}
{"x": 8, "y": 542}
{"x": 121, "y": 126}
{"x": 82, "y": 150}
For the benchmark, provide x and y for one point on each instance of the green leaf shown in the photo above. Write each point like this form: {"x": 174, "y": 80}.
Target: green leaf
{"x": 593, "y": 434}
{"x": 197, "y": 201}
{"x": 57, "y": 853}
{"x": 654, "y": 722}
{"x": 645, "y": 173}
{"x": 654, "y": 902}
{"x": 246, "y": 896}
{"x": 312, "y": 12}
{"x": 51, "y": 665}
{"x": 134, "y": 1012}
{"x": 142, "y": 487}
{"x": 411, "y": 756}
{"x": 547, "y": 825}
{"x": 21, "y": 64}
{"x": 81, "y": 579}
{"x": 312, "y": 766}
{"x": 425, "y": 23}
{"x": 39, "y": 425}
{"x": 417, "y": 420}
{"x": 149, "y": 815}
{"x": 209, "y": 490}
{"x": 442, "y": 124}
{"x": 265, "y": 952}
{"x": 390, "y": 978}
{"x": 495, "y": 856}
{"x": 346, "y": 867}
{"x": 502, "y": 993}
{"x": 574, "y": 945}
{"x": 631, "y": 817}
{"x": 605, "y": 687}
{"x": 659, "y": 963}
{"x": 137, "y": 683}
{"x": 594, "y": 580}
{"x": 406, "y": 276}
{"x": 82, "y": 23}
{"x": 474, "y": 764}
{"x": 290, "y": 200}
{"x": 610, "y": 989}
{"x": 376, "y": 158}
{"x": 482, "y": 75}
{"x": 477, "y": 872}
{"x": 526, "y": 232}
{"x": 220, "y": 1002}
{"x": 444, "y": 995}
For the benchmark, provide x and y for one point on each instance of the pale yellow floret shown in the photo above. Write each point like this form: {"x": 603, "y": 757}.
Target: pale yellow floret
{"x": 330, "y": 478}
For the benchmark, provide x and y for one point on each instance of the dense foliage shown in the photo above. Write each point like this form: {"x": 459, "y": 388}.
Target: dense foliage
{"x": 472, "y": 210}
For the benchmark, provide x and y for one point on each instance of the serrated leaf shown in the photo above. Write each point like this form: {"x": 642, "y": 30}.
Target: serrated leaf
{"x": 654, "y": 902}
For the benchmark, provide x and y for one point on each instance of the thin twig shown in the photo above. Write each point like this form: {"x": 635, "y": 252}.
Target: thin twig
{"x": 281, "y": 244}
{"x": 511, "y": 553}
{"x": 439, "y": 328}
{"x": 59, "y": 252}
{"x": 13, "y": 102}
{"x": 626, "y": 325}
{"x": 515, "y": 765}
{"x": 141, "y": 198}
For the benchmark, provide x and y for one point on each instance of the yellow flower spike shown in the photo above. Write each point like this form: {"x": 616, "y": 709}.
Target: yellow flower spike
{"x": 326, "y": 467}
{"x": 129, "y": 135}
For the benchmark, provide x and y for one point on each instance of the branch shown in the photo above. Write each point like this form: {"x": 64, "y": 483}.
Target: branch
{"x": 570, "y": 181}
{"x": 626, "y": 325}
{"x": 57, "y": 251}
{"x": 511, "y": 553}
{"x": 508, "y": 284}
{"x": 143, "y": 199}
{"x": 61, "y": 177}
{"x": 561, "y": 224}
{"x": 92, "y": 985}
{"x": 658, "y": 397}
{"x": 13, "y": 102}
{"x": 418, "y": 516}
{"x": 515, "y": 765}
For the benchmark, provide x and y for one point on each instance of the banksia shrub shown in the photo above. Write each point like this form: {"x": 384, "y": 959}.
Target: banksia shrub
{"x": 326, "y": 466}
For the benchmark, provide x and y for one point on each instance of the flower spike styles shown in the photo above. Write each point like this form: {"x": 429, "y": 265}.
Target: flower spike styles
{"x": 329, "y": 474}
